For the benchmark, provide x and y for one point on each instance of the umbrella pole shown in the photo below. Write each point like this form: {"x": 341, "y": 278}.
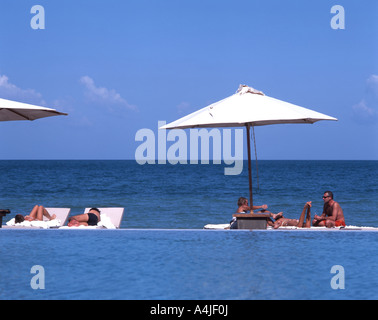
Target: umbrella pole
{"x": 249, "y": 167}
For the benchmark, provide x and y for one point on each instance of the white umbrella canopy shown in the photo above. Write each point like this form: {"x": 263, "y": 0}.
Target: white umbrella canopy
{"x": 13, "y": 110}
{"x": 248, "y": 107}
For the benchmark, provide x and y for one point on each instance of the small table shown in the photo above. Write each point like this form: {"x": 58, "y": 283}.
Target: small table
{"x": 251, "y": 221}
{"x": 3, "y": 213}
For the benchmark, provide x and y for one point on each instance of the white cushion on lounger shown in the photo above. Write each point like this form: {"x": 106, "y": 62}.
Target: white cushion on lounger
{"x": 60, "y": 220}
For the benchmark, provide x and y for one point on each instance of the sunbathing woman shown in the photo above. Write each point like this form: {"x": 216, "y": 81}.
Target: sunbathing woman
{"x": 35, "y": 215}
{"x": 283, "y": 222}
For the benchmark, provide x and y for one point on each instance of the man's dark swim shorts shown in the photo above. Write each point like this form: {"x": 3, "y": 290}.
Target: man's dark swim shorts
{"x": 92, "y": 219}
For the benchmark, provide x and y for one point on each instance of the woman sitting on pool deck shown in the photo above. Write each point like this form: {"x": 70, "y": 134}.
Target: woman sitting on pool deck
{"x": 87, "y": 219}
{"x": 35, "y": 215}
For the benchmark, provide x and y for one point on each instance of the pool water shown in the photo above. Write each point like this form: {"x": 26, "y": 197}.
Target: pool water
{"x": 187, "y": 264}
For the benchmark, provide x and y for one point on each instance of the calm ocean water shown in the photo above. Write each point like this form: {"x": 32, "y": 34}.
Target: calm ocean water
{"x": 135, "y": 263}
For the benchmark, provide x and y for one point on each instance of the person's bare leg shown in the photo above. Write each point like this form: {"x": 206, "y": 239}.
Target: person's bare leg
{"x": 317, "y": 223}
{"x": 303, "y": 215}
{"x": 308, "y": 218}
{"x": 43, "y": 212}
{"x": 33, "y": 214}
{"x": 40, "y": 213}
{"x": 330, "y": 223}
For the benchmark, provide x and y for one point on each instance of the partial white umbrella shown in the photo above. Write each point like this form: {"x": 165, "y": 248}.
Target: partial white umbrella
{"x": 248, "y": 108}
{"x": 13, "y": 110}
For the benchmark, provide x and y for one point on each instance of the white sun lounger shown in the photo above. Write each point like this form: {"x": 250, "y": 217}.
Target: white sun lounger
{"x": 110, "y": 219}
{"x": 115, "y": 216}
{"x": 60, "y": 220}
{"x": 61, "y": 214}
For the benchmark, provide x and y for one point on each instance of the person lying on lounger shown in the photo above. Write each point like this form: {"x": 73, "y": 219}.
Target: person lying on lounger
{"x": 283, "y": 222}
{"x": 87, "y": 219}
{"x": 36, "y": 214}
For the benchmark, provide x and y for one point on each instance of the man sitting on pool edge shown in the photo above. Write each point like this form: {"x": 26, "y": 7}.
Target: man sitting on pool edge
{"x": 87, "y": 219}
{"x": 332, "y": 216}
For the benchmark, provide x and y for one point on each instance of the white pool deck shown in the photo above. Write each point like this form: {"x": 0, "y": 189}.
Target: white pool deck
{"x": 281, "y": 229}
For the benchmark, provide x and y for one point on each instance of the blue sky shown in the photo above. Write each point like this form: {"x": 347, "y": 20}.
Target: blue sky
{"x": 120, "y": 66}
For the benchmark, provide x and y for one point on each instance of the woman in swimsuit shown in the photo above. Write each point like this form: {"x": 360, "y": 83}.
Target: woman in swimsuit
{"x": 36, "y": 214}
{"x": 283, "y": 222}
{"x": 87, "y": 219}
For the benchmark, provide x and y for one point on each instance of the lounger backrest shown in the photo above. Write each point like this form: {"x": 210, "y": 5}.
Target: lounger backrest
{"x": 61, "y": 214}
{"x": 115, "y": 214}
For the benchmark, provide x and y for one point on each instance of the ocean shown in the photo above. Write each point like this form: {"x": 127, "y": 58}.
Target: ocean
{"x": 162, "y": 252}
